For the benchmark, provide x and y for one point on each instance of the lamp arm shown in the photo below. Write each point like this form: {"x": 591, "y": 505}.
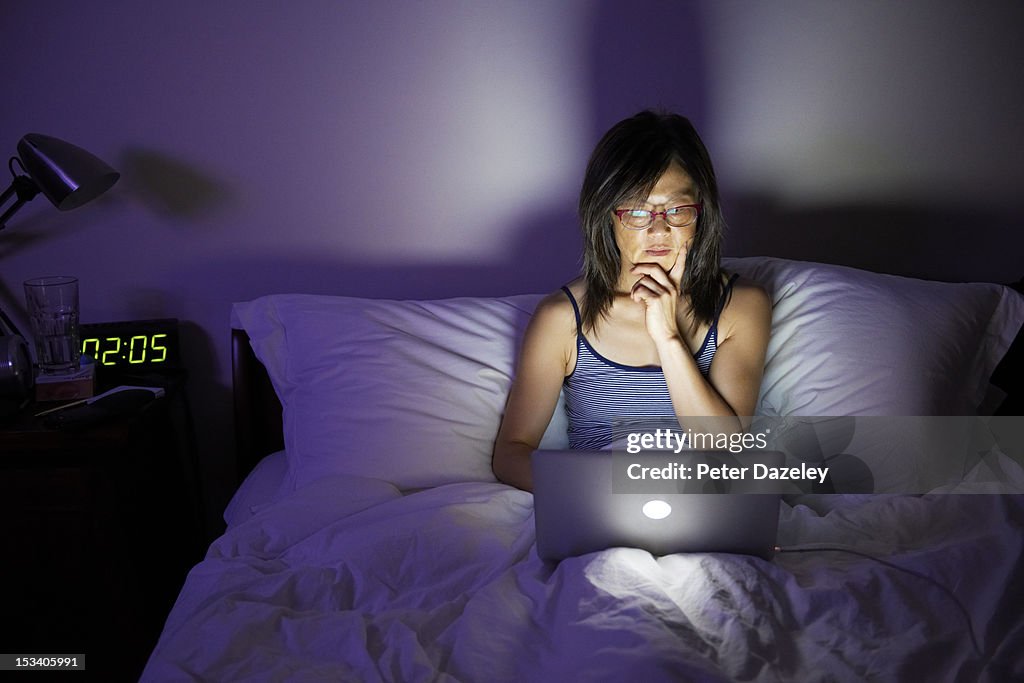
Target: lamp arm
{"x": 6, "y": 323}
{"x": 7, "y": 194}
{"x": 26, "y": 189}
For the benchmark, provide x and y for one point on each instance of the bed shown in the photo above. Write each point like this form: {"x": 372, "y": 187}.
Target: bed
{"x": 370, "y": 541}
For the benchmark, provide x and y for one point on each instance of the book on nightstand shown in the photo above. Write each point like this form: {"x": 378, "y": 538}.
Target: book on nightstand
{"x": 69, "y": 387}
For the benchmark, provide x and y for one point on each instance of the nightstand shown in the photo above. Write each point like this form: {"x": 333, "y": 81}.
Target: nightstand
{"x": 99, "y": 528}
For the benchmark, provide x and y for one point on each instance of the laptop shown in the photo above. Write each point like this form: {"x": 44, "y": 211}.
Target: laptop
{"x": 576, "y": 511}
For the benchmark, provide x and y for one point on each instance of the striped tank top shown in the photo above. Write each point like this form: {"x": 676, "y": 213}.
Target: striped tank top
{"x": 600, "y": 392}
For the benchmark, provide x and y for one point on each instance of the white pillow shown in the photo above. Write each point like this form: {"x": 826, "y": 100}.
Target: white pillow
{"x": 411, "y": 392}
{"x": 850, "y": 342}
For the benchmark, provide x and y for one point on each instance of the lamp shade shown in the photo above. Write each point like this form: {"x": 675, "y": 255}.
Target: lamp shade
{"x": 68, "y": 175}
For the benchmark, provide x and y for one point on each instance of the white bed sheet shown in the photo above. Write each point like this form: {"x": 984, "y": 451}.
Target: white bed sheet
{"x": 348, "y": 579}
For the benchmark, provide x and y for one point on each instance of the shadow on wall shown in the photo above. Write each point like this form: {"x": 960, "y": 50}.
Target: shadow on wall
{"x": 647, "y": 54}
{"x": 169, "y": 186}
{"x": 955, "y": 244}
{"x": 545, "y": 255}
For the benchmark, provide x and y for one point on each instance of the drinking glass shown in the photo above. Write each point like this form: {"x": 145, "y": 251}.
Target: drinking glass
{"x": 53, "y": 313}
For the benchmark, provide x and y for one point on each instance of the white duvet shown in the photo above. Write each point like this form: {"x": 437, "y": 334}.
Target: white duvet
{"x": 348, "y": 580}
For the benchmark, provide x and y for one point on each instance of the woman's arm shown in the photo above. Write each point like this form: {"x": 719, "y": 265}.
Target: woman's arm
{"x": 729, "y": 394}
{"x": 543, "y": 364}
{"x": 722, "y": 402}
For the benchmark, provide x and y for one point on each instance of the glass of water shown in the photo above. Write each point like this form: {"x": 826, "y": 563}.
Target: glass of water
{"x": 53, "y": 313}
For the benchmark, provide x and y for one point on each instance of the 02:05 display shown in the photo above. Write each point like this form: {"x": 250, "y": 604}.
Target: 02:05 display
{"x": 136, "y": 350}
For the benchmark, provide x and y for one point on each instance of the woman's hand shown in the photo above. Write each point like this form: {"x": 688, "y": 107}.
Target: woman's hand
{"x": 659, "y": 292}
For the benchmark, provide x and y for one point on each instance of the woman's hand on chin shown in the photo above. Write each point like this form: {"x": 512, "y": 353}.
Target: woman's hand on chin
{"x": 658, "y": 291}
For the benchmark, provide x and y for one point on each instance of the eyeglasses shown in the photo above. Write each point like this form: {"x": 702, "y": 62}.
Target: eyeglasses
{"x": 641, "y": 219}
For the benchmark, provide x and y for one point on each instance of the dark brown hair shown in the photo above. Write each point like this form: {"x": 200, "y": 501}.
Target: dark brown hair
{"x": 626, "y": 164}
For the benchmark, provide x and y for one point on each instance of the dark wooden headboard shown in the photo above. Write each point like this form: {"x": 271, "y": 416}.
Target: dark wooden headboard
{"x": 258, "y": 423}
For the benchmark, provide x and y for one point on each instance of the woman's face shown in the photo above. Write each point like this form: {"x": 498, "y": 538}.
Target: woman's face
{"x": 659, "y": 243}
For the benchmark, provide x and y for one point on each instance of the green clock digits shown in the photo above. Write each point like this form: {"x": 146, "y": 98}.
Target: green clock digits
{"x": 132, "y": 345}
{"x": 136, "y": 350}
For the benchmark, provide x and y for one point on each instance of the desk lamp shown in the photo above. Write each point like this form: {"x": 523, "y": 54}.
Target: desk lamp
{"x": 69, "y": 176}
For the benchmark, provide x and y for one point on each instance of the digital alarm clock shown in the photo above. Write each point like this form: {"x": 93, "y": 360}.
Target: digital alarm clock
{"x": 135, "y": 345}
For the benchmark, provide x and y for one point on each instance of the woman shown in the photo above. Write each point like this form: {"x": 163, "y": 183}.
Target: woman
{"x": 653, "y": 327}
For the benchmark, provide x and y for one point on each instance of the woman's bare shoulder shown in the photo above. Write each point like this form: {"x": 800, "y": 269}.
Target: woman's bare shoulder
{"x": 749, "y": 304}
{"x": 750, "y": 293}
{"x": 551, "y": 334}
{"x": 555, "y": 313}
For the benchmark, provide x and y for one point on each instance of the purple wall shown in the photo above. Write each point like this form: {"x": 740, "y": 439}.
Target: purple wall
{"x": 428, "y": 149}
